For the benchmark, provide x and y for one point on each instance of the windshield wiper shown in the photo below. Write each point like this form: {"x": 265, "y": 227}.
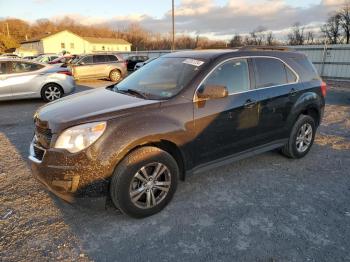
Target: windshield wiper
{"x": 133, "y": 92}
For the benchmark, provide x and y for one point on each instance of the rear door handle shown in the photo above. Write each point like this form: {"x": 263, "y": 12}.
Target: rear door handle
{"x": 249, "y": 103}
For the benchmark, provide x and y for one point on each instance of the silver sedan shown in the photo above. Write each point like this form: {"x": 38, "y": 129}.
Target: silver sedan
{"x": 25, "y": 79}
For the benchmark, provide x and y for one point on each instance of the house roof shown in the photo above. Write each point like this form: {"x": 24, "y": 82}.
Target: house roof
{"x": 38, "y": 38}
{"x": 98, "y": 40}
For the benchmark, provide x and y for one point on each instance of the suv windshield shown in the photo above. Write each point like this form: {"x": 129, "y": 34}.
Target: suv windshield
{"x": 161, "y": 79}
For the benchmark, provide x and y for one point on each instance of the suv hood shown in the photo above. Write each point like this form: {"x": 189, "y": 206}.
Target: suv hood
{"x": 87, "y": 106}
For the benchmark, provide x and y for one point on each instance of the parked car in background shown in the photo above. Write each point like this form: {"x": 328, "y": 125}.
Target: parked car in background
{"x": 46, "y": 58}
{"x": 186, "y": 112}
{"x": 26, "y": 79}
{"x": 30, "y": 57}
{"x": 99, "y": 66}
{"x": 66, "y": 59}
{"x": 9, "y": 56}
{"x": 141, "y": 64}
{"x": 131, "y": 61}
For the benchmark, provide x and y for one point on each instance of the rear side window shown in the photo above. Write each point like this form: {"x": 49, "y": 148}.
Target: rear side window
{"x": 23, "y": 67}
{"x": 270, "y": 72}
{"x": 233, "y": 74}
{"x": 100, "y": 59}
{"x": 112, "y": 58}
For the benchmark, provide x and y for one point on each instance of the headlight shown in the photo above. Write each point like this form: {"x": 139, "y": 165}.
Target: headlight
{"x": 77, "y": 138}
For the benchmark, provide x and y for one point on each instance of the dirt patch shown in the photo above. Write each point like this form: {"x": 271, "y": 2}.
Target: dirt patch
{"x": 31, "y": 226}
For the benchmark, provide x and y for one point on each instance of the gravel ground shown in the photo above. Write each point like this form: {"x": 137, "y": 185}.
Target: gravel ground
{"x": 266, "y": 208}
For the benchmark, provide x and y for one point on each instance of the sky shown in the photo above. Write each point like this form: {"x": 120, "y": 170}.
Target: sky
{"x": 214, "y": 18}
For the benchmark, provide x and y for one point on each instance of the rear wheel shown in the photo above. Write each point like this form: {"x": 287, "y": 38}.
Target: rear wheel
{"x": 144, "y": 182}
{"x": 301, "y": 138}
{"x": 51, "y": 92}
{"x": 115, "y": 76}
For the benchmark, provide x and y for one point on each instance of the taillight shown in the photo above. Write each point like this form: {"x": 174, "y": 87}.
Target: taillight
{"x": 68, "y": 73}
{"x": 323, "y": 89}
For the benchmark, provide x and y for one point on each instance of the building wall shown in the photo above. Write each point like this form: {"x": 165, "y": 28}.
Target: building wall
{"x": 331, "y": 61}
{"x": 92, "y": 47}
{"x": 38, "y": 46}
{"x": 64, "y": 41}
{"x": 73, "y": 44}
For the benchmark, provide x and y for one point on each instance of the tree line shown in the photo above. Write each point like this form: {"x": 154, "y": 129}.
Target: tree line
{"x": 335, "y": 30}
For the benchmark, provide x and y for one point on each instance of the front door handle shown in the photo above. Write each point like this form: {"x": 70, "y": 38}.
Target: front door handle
{"x": 293, "y": 91}
{"x": 249, "y": 103}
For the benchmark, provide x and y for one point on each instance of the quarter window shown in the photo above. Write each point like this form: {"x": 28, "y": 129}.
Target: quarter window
{"x": 272, "y": 72}
{"x": 3, "y": 68}
{"x": 233, "y": 74}
{"x": 112, "y": 58}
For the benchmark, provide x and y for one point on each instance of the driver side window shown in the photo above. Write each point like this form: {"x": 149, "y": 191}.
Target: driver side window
{"x": 234, "y": 75}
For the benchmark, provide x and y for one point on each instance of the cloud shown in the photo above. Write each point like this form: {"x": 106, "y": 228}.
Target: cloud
{"x": 205, "y": 17}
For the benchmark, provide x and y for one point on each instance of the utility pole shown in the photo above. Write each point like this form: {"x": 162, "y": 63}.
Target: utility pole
{"x": 173, "y": 20}
{"x": 8, "y": 31}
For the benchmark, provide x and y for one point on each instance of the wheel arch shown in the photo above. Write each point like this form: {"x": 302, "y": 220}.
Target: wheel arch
{"x": 166, "y": 145}
{"x": 51, "y": 83}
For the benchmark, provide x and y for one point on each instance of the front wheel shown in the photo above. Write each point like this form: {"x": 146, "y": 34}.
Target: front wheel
{"x": 144, "y": 182}
{"x": 301, "y": 138}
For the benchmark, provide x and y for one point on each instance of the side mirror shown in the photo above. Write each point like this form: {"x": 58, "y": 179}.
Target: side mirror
{"x": 212, "y": 92}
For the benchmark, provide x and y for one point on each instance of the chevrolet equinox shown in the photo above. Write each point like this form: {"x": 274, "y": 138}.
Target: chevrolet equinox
{"x": 182, "y": 113}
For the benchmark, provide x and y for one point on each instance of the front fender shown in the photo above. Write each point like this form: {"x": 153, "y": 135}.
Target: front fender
{"x": 125, "y": 134}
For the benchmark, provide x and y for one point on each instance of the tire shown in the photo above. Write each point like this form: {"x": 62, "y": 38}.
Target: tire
{"x": 115, "y": 75}
{"x": 129, "y": 184}
{"x": 51, "y": 92}
{"x": 294, "y": 148}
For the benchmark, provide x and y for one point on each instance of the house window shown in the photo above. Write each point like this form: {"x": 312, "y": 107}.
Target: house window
{"x": 72, "y": 45}
{"x": 126, "y": 48}
{"x": 103, "y": 48}
{"x": 94, "y": 48}
{"x": 63, "y": 45}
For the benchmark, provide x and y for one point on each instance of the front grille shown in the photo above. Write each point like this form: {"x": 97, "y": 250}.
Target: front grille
{"x": 44, "y": 136}
{"x": 38, "y": 152}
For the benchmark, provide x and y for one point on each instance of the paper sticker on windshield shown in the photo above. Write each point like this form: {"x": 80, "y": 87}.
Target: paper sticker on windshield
{"x": 193, "y": 62}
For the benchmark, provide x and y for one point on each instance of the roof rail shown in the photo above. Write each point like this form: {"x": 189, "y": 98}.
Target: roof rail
{"x": 265, "y": 47}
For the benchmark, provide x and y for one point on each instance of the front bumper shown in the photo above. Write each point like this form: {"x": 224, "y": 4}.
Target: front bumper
{"x": 71, "y": 177}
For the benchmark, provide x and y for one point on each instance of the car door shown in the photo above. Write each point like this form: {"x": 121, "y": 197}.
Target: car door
{"x": 100, "y": 65}
{"x": 275, "y": 91}
{"x": 5, "y": 87}
{"x": 84, "y": 68}
{"x": 24, "y": 78}
{"x": 228, "y": 125}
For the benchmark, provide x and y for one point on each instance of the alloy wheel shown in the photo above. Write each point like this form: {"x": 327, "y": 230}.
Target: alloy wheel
{"x": 304, "y": 137}
{"x": 150, "y": 185}
{"x": 115, "y": 76}
{"x": 52, "y": 93}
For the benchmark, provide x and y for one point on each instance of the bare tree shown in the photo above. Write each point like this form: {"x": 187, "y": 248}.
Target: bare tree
{"x": 270, "y": 40}
{"x": 310, "y": 36}
{"x": 345, "y": 21}
{"x": 236, "y": 41}
{"x": 332, "y": 29}
{"x": 296, "y": 37}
